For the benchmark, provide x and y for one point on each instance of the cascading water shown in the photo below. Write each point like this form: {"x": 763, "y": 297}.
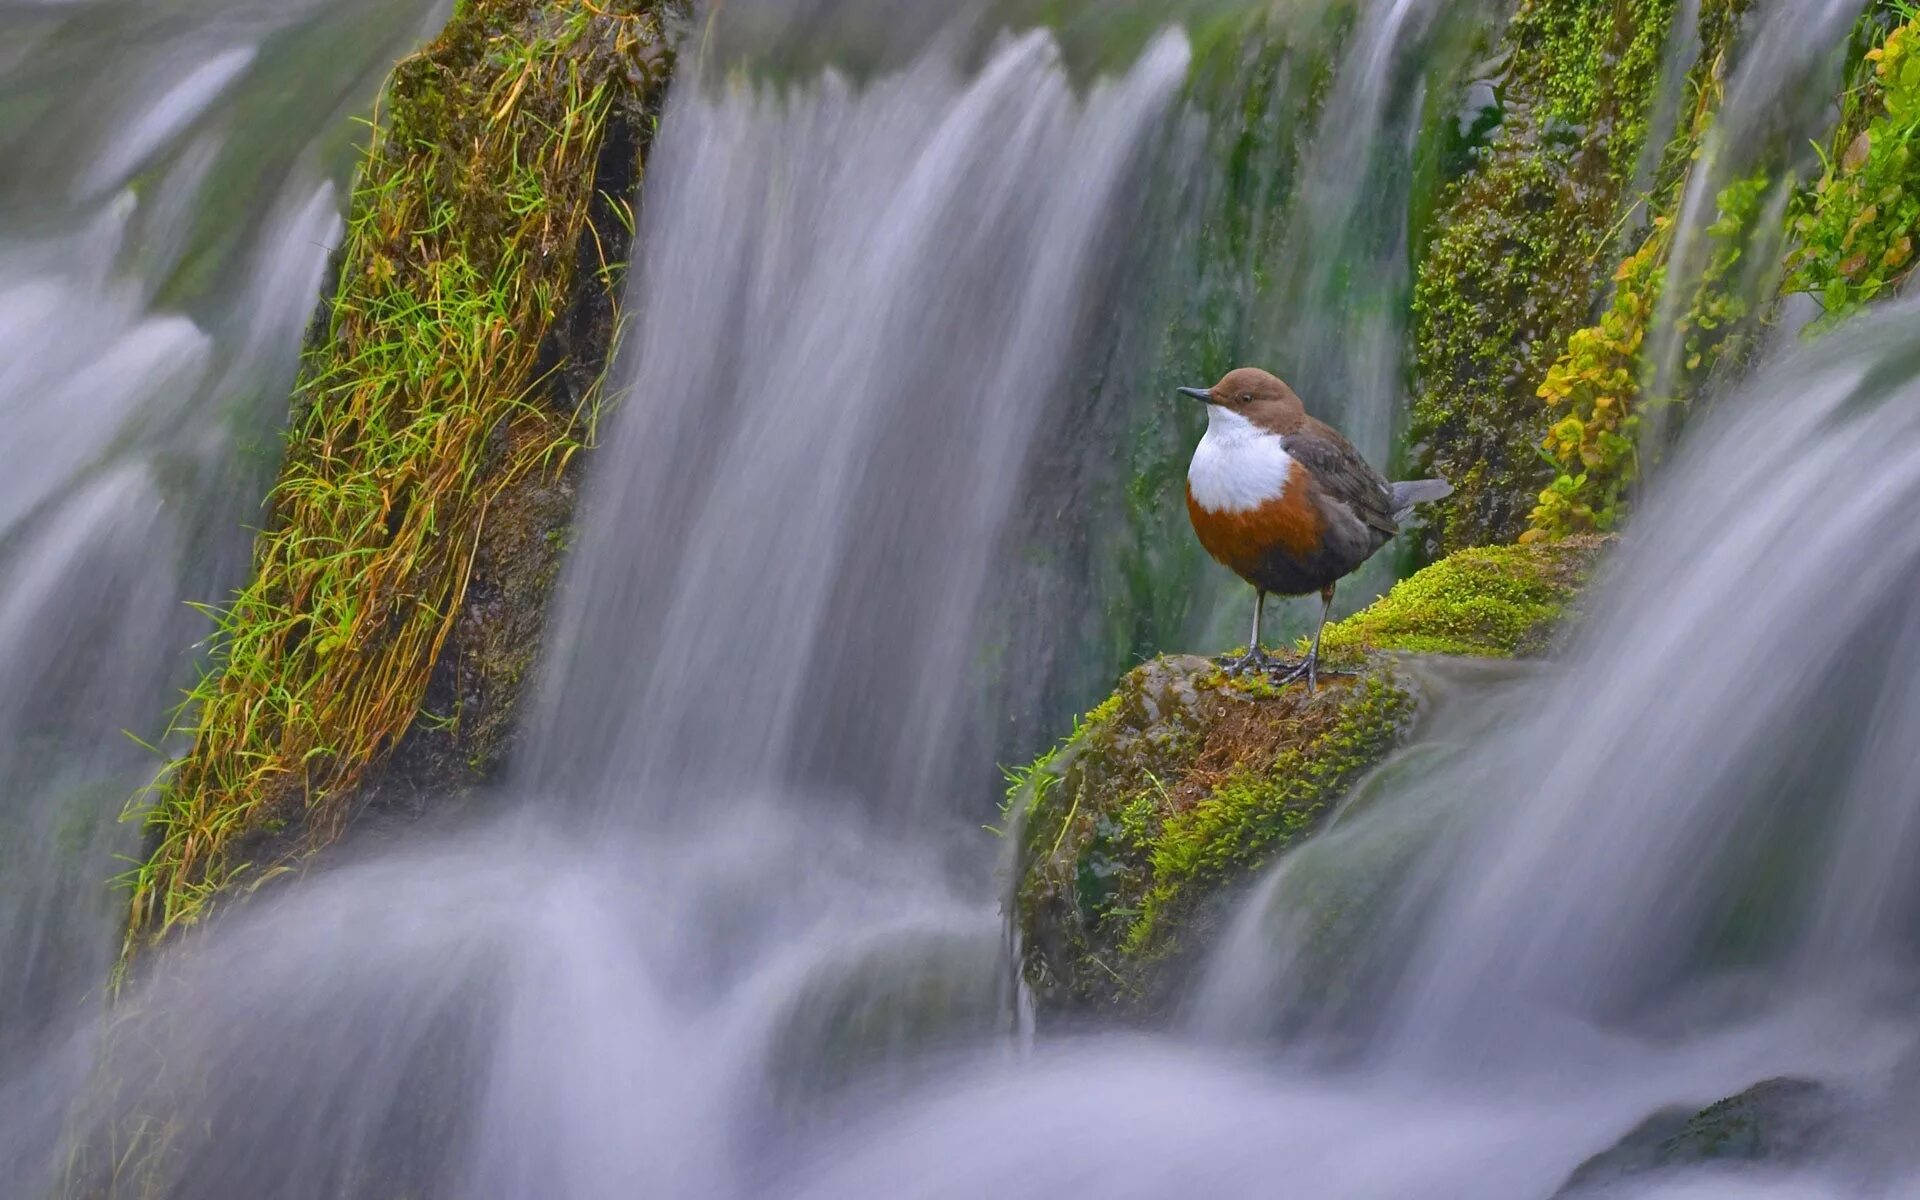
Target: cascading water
{"x": 720, "y": 942}
{"x": 878, "y": 369}
{"x": 767, "y": 685}
{"x": 163, "y": 232}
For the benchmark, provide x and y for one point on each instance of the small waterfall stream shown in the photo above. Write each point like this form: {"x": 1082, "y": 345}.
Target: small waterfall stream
{"x": 827, "y": 427}
{"x": 164, "y": 223}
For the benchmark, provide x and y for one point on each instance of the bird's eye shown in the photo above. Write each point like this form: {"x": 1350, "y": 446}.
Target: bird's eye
{"x": 1246, "y": 397}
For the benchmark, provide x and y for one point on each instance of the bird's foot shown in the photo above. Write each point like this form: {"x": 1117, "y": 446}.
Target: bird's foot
{"x": 1310, "y": 669}
{"x": 1254, "y": 662}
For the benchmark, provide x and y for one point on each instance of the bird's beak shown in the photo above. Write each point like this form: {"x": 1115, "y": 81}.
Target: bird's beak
{"x": 1203, "y": 395}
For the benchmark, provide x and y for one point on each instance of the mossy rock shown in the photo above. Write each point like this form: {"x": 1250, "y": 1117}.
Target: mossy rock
{"x": 1521, "y": 249}
{"x": 396, "y": 602}
{"x": 1785, "y": 1122}
{"x": 1487, "y": 602}
{"x": 1133, "y": 831}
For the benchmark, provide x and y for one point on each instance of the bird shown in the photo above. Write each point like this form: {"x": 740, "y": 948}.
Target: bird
{"x": 1286, "y": 503}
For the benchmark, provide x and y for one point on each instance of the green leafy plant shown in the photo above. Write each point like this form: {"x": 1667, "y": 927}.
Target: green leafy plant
{"x": 1592, "y": 389}
{"x": 1856, "y": 227}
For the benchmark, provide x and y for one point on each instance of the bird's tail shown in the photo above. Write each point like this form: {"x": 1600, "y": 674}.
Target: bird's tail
{"x": 1408, "y": 493}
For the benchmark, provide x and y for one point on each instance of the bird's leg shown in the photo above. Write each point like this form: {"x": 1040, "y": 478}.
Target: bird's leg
{"x": 1255, "y": 658}
{"x": 1311, "y": 667}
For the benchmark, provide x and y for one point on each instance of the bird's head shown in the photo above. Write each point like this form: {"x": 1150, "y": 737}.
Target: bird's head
{"x": 1254, "y": 394}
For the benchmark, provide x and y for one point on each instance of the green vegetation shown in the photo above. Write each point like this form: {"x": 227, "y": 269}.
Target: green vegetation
{"x": 1517, "y": 259}
{"x": 1184, "y": 781}
{"x": 1853, "y": 229}
{"x": 1593, "y": 391}
{"x": 1596, "y": 383}
{"x": 1857, "y": 224}
{"x": 1600, "y": 381}
{"x": 454, "y": 376}
{"x": 1489, "y": 602}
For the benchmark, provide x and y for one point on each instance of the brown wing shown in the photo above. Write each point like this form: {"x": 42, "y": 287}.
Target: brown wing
{"x": 1343, "y": 475}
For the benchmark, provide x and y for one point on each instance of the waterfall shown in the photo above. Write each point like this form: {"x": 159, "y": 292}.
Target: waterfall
{"x": 728, "y": 928}
{"x": 827, "y": 426}
{"x": 163, "y": 233}
{"x": 725, "y": 884}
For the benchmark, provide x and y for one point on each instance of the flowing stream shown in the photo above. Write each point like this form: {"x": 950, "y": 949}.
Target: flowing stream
{"x": 730, "y": 929}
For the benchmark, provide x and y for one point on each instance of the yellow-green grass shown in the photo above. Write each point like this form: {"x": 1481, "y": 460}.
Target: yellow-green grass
{"x": 423, "y": 402}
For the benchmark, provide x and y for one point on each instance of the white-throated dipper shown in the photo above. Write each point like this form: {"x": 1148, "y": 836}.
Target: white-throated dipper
{"x": 1284, "y": 502}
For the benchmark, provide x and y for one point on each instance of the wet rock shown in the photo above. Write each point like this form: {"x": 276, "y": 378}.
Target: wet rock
{"x": 1135, "y": 830}
{"x": 1782, "y": 1122}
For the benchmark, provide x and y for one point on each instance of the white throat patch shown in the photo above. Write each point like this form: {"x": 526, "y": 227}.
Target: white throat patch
{"x": 1238, "y": 466}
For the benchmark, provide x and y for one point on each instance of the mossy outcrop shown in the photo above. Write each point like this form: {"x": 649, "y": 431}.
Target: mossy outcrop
{"x": 1184, "y": 781}
{"x": 1487, "y": 602}
{"x": 1520, "y": 250}
{"x": 413, "y": 533}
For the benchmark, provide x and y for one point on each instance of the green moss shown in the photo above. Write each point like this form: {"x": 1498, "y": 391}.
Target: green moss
{"x": 1180, "y": 783}
{"x": 1518, "y": 259}
{"x": 1258, "y": 810}
{"x": 1491, "y": 601}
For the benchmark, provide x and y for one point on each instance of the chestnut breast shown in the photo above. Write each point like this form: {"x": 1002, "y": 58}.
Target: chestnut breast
{"x": 1250, "y": 501}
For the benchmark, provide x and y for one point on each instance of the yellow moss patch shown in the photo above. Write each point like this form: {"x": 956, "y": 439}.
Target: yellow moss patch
{"x": 1491, "y": 601}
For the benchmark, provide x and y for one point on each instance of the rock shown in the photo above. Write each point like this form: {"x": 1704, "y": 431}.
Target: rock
{"x": 1184, "y": 782}
{"x": 1779, "y": 1121}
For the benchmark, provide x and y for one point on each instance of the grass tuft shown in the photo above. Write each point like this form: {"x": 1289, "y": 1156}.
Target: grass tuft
{"x": 428, "y": 398}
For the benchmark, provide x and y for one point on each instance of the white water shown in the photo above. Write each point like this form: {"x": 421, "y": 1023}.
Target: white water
{"x": 737, "y": 875}
{"x": 166, "y": 202}
{"x": 814, "y": 489}
{"x": 733, "y": 935}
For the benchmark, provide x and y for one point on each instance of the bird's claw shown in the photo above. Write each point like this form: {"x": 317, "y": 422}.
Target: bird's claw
{"x": 1253, "y": 661}
{"x": 1313, "y": 669}
{"x": 1309, "y": 667}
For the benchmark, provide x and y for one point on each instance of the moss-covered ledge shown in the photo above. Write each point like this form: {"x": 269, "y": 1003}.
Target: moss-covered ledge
{"x": 412, "y": 536}
{"x": 1520, "y": 248}
{"x": 1183, "y": 782}
{"x": 1486, "y": 602}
